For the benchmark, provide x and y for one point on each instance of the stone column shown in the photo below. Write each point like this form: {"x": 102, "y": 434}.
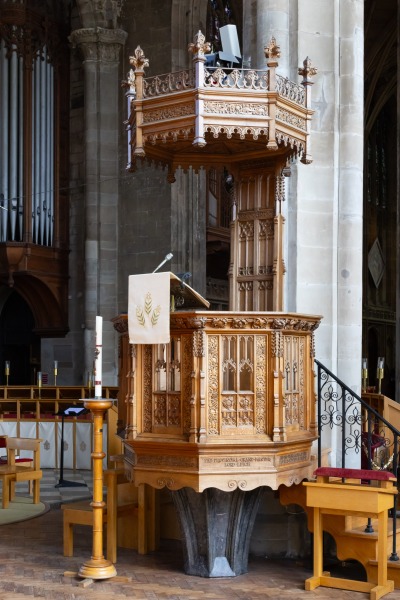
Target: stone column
{"x": 101, "y": 49}
{"x": 216, "y": 527}
{"x": 328, "y": 232}
{"x": 265, "y": 19}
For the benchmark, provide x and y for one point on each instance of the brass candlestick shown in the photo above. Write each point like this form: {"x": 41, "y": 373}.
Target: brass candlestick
{"x": 7, "y": 370}
{"x": 39, "y": 383}
{"x": 380, "y": 372}
{"x": 97, "y": 567}
{"x": 364, "y": 374}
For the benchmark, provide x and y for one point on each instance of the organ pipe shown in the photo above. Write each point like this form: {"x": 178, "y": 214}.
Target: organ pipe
{"x": 13, "y": 143}
{"x": 21, "y": 150}
{"x": 12, "y": 147}
{"x": 4, "y": 141}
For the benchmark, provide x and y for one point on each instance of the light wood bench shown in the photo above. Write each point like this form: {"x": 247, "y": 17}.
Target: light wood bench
{"x": 81, "y": 513}
{"x": 340, "y": 492}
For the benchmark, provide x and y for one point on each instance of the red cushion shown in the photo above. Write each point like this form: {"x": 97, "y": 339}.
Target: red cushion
{"x": 366, "y": 474}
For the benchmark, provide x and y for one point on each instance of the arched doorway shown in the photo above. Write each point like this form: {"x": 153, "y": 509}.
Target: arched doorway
{"x": 19, "y": 344}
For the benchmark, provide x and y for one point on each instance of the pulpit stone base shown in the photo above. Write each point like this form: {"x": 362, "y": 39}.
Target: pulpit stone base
{"x": 216, "y": 528}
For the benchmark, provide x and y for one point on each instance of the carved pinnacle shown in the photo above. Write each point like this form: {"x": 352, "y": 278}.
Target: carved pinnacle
{"x": 307, "y": 71}
{"x": 200, "y": 46}
{"x": 272, "y": 51}
{"x": 139, "y": 61}
{"x": 129, "y": 82}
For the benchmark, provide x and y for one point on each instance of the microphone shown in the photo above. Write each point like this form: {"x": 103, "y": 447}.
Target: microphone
{"x": 166, "y": 259}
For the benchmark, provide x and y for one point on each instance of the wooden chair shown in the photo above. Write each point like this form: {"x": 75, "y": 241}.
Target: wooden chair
{"x": 21, "y": 468}
{"x": 124, "y": 516}
{"x": 21, "y": 460}
{"x": 3, "y": 446}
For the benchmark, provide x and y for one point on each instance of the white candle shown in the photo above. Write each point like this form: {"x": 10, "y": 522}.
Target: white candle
{"x": 98, "y": 357}
{"x": 39, "y": 379}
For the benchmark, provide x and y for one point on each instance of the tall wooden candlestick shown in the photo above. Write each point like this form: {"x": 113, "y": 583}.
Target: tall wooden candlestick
{"x": 97, "y": 567}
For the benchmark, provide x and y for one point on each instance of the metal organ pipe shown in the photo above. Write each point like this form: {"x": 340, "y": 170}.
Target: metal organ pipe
{"x": 50, "y": 155}
{"x": 13, "y": 143}
{"x": 12, "y": 147}
{"x": 21, "y": 149}
{"x": 4, "y": 139}
{"x": 36, "y": 148}
{"x": 42, "y": 181}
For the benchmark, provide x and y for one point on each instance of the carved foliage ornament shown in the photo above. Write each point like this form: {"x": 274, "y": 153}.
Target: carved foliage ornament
{"x": 180, "y": 110}
{"x": 200, "y": 46}
{"x": 287, "y": 117}
{"x": 139, "y": 61}
{"x": 307, "y": 71}
{"x": 272, "y": 51}
{"x": 199, "y": 343}
{"x": 236, "y": 108}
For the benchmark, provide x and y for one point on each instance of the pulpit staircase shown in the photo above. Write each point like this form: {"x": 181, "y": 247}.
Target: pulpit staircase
{"x": 364, "y": 432}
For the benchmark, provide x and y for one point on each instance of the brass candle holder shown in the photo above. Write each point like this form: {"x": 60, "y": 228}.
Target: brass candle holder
{"x": 364, "y": 374}
{"x": 380, "y": 372}
{"x": 97, "y": 567}
{"x": 7, "y": 370}
{"x": 39, "y": 383}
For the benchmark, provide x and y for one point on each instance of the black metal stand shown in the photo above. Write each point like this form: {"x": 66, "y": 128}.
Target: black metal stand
{"x": 61, "y": 413}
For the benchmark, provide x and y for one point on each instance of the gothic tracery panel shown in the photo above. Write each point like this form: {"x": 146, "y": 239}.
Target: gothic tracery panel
{"x": 294, "y": 349}
{"x": 237, "y": 396}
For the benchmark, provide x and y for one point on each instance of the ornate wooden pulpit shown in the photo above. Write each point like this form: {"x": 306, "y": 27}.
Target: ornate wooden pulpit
{"x": 228, "y": 406}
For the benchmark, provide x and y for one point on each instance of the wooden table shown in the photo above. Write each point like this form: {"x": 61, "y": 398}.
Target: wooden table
{"x": 331, "y": 494}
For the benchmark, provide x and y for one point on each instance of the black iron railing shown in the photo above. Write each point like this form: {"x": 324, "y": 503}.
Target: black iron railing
{"x": 360, "y": 432}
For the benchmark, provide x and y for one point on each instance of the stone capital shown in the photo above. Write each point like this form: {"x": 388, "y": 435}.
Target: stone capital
{"x": 99, "y": 44}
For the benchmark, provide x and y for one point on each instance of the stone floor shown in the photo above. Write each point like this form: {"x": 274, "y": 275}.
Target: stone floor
{"x": 32, "y": 565}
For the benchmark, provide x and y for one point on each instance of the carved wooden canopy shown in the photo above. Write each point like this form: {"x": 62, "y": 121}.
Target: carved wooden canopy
{"x": 204, "y": 116}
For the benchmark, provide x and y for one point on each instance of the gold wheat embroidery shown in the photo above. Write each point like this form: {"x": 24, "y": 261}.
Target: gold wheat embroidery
{"x": 140, "y": 316}
{"x": 148, "y": 303}
{"x": 153, "y": 315}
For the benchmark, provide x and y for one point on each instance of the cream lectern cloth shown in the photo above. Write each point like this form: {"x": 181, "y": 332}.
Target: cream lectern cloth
{"x": 148, "y": 308}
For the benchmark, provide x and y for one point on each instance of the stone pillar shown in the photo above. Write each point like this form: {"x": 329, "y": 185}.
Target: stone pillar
{"x": 216, "y": 528}
{"x": 265, "y": 19}
{"x": 328, "y": 230}
{"x": 101, "y": 48}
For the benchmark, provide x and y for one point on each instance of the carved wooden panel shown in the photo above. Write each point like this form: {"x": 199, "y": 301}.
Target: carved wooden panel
{"x": 294, "y": 376}
{"x": 253, "y": 243}
{"x": 166, "y": 389}
{"x": 237, "y": 385}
